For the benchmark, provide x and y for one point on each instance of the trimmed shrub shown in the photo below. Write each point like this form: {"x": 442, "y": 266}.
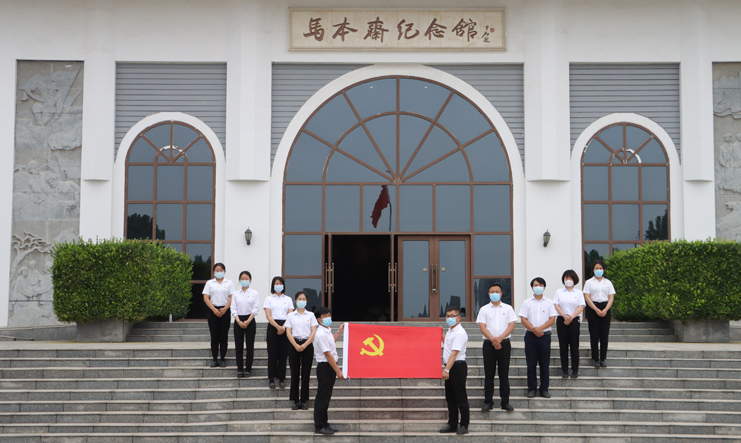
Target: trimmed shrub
{"x": 681, "y": 280}
{"x": 119, "y": 279}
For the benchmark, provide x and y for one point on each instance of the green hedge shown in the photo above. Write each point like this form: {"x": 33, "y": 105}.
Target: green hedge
{"x": 119, "y": 279}
{"x": 681, "y": 280}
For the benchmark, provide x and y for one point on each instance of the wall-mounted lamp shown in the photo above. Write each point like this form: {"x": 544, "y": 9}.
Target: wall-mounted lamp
{"x": 546, "y": 238}
{"x": 248, "y": 236}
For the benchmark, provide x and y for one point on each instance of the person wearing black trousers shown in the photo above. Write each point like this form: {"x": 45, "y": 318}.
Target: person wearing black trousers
{"x": 599, "y": 294}
{"x": 245, "y": 307}
{"x": 300, "y": 328}
{"x": 327, "y": 370}
{"x": 277, "y": 307}
{"x": 569, "y": 303}
{"x": 455, "y": 373}
{"x": 537, "y": 315}
{"x": 217, "y": 293}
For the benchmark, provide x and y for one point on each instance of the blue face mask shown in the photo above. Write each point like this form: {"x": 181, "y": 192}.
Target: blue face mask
{"x": 327, "y": 321}
{"x": 451, "y": 321}
{"x": 495, "y": 297}
{"x": 538, "y": 290}
{"x": 278, "y": 289}
{"x": 301, "y": 304}
{"x": 244, "y": 283}
{"x": 599, "y": 273}
{"x": 219, "y": 275}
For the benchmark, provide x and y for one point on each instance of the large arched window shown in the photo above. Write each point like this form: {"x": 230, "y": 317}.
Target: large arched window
{"x": 625, "y": 191}
{"x": 436, "y": 155}
{"x": 170, "y": 196}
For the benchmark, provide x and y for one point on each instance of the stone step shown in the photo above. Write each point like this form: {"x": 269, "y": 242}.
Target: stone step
{"x": 584, "y": 340}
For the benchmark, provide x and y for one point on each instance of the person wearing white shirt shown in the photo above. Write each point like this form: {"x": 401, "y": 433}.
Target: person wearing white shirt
{"x": 245, "y": 307}
{"x": 217, "y": 294}
{"x": 327, "y": 370}
{"x": 300, "y": 329}
{"x": 277, "y": 307}
{"x": 569, "y": 303}
{"x": 455, "y": 373}
{"x": 599, "y": 294}
{"x": 538, "y": 314}
{"x": 496, "y": 321}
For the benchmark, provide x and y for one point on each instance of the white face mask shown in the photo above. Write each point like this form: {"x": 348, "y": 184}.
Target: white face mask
{"x": 568, "y": 283}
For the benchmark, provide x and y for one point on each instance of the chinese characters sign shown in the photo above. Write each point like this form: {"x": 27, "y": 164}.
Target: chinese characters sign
{"x": 395, "y": 29}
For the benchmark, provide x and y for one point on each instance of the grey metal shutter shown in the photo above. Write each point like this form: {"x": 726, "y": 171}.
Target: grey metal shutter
{"x": 294, "y": 84}
{"x": 198, "y": 89}
{"x": 651, "y": 90}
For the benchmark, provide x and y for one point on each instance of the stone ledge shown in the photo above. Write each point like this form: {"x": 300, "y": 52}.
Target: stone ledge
{"x": 702, "y": 331}
{"x": 103, "y": 331}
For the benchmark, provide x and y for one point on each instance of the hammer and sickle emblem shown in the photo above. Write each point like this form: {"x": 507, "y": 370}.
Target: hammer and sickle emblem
{"x": 377, "y": 350}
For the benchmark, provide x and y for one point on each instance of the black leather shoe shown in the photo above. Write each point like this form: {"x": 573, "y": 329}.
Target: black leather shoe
{"x": 271, "y": 384}
{"x": 222, "y": 363}
{"x": 240, "y": 374}
{"x": 331, "y": 428}
{"x": 545, "y": 394}
{"x": 323, "y": 431}
{"x": 565, "y": 374}
{"x": 462, "y": 430}
{"x": 303, "y": 406}
{"x": 246, "y": 374}
{"x": 488, "y": 407}
{"x": 574, "y": 374}
{"x": 448, "y": 429}
{"x": 281, "y": 384}
{"x": 214, "y": 364}
{"x": 294, "y": 407}
{"x": 602, "y": 364}
{"x": 596, "y": 364}
{"x": 530, "y": 394}
{"x": 507, "y": 407}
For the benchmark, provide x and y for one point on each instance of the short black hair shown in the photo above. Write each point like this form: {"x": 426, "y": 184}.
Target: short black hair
{"x": 272, "y": 284}
{"x": 321, "y": 310}
{"x": 496, "y": 284}
{"x": 570, "y": 273}
{"x": 220, "y": 264}
{"x": 540, "y": 280}
{"x": 247, "y": 273}
{"x": 599, "y": 262}
{"x": 295, "y": 297}
{"x": 453, "y": 308}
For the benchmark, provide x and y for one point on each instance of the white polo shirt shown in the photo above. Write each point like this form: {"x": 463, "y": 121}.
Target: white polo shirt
{"x": 219, "y": 292}
{"x": 278, "y": 306}
{"x": 245, "y": 302}
{"x": 301, "y": 324}
{"x": 599, "y": 291}
{"x": 323, "y": 342}
{"x": 455, "y": 340}
{"x": 496, "y": 318}
{"x": 537, "y": 312}
{"x": 569, "y": 301}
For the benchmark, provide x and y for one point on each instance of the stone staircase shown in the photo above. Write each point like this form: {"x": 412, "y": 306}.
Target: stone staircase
{"x": 132, "y": 392}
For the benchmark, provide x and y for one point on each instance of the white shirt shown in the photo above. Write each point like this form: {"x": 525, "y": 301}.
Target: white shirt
{"x": 600, "y": 291}
{"x": 538, "y": 312}
{"x": 455, "y": 340}
{"x": 569, "y": 301}
{"x": 219, "y": 292}
{"x": 301, "y": 324}
{"x": 278, "y": 306}
{"x": 323, "y": 342}
{"x": 245, "y": 303}
{"x": 496, "y": 318}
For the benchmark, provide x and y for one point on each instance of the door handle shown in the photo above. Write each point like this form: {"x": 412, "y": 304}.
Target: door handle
{"x": 392, "y": 278}
{"x": 329, "y": 277}
{"x": 433, "y": 268}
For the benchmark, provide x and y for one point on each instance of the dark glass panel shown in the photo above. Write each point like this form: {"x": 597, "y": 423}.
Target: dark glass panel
{"x": 463, "y": 120}
{"x": 303, "y": 208}
{"x": 422, "y": 97}
{"x": 142, "y": 152}
{"x": 303, "y": 254}
{"x": 307, "y": 160}
{"x": 344, "y": 169}
{"x": 655, "y": 222}
{"x": 437, "y": 144}
{"x": 372, "y": 194}
{"x": 200, "y": 183}
{"x": 176, "y": 246}
{"x": 169, "y": 222}
{"x": 411, "y": 132}
{"x": 416, "y": 278}
{"x": 596, "y": 153}
{"x": 635, "y": 137}
{"x": 159, "y": 135}
{"x": 491, "y": 208}
{"x": 311, "y": 286}
{"x": 632, "y": 158}
{"x": 488, "y": 159}
{"x": 654, "y": 185}
{"x": 451, "y": 169}
{"x": 383, "y": 131}
{"x": 613, "y": 136}
{"x": 652, "y": 153}
{"x": 492, "y": 255}
{"x": 359, "y": 146}
{"x": 183, "y": 136}
{"x": 170, "y": 181}
{"x": 481, "y": 292}
{"x": 199, "y": 222}
{"x": 140, "y": 183}
{"x": 415, "y": 212}
{"x": 625, "y": 223}
{"x": 200, "y": 152}
{"x": 332, "y": 120}
{"x": 453, "y": 208}
{"x": 452, "y": 275}
{"x": 623, "y": 246}
{"x": 139, "y": 220}
{"x": 597, "y": 222}
{"x": 592, "y": 253}
{"x": 200, "y": 255}
{"x": 624, "y": 183}
{"x": 596, "y": 183}
{"x": 374, "y": 97}
{"x": 342, "y": 208}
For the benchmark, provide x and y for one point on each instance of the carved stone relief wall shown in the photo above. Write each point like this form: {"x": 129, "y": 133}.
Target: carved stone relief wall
{"x": 46, "y": 182}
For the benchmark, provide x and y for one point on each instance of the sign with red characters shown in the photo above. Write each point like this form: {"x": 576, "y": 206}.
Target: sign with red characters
{"x": 379, "y": 351}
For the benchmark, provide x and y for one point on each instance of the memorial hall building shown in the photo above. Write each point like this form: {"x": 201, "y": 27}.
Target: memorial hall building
{"x": 390, "y": 159}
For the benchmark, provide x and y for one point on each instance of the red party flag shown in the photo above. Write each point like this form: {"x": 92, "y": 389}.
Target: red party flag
{"x": 379, "y": 351}
{"x": 381, "y": 203}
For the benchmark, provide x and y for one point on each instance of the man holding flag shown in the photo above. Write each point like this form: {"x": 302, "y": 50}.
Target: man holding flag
{"x": 327, "y": 370}
{"x": 455, "y": 373}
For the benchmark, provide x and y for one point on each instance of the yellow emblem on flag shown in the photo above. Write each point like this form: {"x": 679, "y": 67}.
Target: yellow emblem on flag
{"x": 377, "y": 350}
